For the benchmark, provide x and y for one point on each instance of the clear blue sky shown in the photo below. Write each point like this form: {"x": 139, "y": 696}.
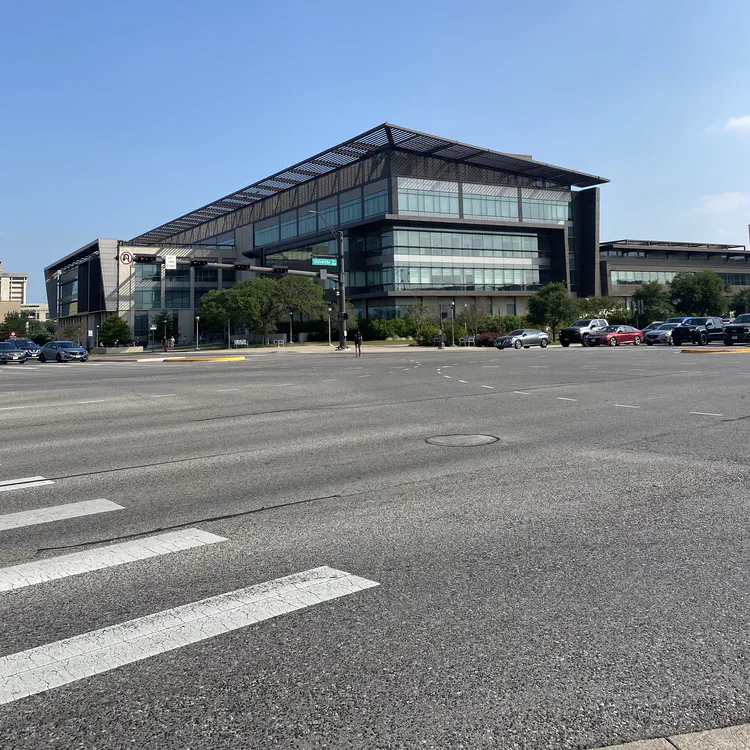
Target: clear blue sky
{"x": 117, "y": 117}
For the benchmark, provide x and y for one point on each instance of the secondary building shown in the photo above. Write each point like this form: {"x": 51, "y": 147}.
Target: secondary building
{"x": 12, "y": 291}
{"x": 627, "y": 264}
{"x": 425, "y": 218}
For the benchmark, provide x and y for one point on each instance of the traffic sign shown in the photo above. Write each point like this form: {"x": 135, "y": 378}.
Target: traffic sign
{"x": 321, "y": 260}
{"x": 126, "y": 258}
{"x": 171, "y": 262}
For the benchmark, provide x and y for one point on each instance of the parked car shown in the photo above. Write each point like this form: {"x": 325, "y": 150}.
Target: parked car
{"x": 32, "y": 350}
{"x": 580, "y": 330}
{"x": 680, "y": 319}
{"x": 63, "y": 351}
{"x": 651, "y": 326}
{"x": 661, "y": 334}
{"x": 616, "y": 335}
{"x": 523, "y": 337}
{"x": 698, "y": 331}
{"x": 738, "y": 331}
{"x": 10, "y": 352}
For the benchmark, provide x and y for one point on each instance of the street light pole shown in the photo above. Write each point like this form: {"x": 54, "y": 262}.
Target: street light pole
{"x": 339, "y": 235}
{"x": 441, "y": 343}
{"x": 329, "y": 326}
{"x": 453, "y": 327}
{"x": 197, "y": 333}
{"x": 291, "y": 337}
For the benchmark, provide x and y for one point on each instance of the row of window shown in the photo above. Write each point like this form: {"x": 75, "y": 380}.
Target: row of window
{"x": 427, "y": 202}
{"x": 458, "y": 253}
{"x": 542, "y": 210}
{"x": 438, "y": 277}
{"x": 488, "y": 206}
{"x": 468, "y": 240}
{"x": 352, "y": 207}
{"x": 665, "y": 277}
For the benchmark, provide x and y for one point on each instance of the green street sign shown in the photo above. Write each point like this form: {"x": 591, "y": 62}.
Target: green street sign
{"x": 329, "y": 260}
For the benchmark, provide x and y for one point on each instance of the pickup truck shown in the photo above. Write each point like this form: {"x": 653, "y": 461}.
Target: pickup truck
{"x": 579, "y": 331}
{"x": 698, "y": 331}
{"x": 738, "y": 331}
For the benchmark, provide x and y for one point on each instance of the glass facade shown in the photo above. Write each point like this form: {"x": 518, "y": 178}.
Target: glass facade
{"x": 427, "y": 197}
{"x": 376, "y": 203}
{"x": 350, "y": 211}
{"x": 288, "y": 225}
{"x": 266, "y": 232}
{"x": 147, "y": 272}
{"x": 148, "y": 298}
{"x": 551, "y": 211}
{"x": 632, "y": 278}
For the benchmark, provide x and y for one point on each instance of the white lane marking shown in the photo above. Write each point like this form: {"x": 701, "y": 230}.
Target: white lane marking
{"x": 162, "y": 395}
{"x": 463, "y": 381}
{"x": 40, "y": 571}
{"x": 282, "y": 385}
{"x": 56, "y": 513}
{"x": 562, "y": 398}
{"x": 329, "y": 380}
{"x": 488, "y": 386}
{"x": 626, "y": 406}
{"x": 706, "y": 414}
{"x": 97, "y": 401}
{"x": 538, "y": 367}
{"x": 37, "y": 670}
{"x": 20, "y": 484}
{"x": 522, "y": 393}
{"x": 226, "y": 390}
{"x": 488, "y": 366}
{"x": 447, "y": 376}
{"x": 11, "y": 408}
{"x": 691, "y": 372}
{"x": 363, "y": 376}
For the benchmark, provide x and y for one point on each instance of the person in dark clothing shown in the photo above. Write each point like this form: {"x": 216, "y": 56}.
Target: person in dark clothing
{"x": 358, "y": 343}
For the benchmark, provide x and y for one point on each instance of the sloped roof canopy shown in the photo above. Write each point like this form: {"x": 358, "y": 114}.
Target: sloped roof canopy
{"x": 384, "y": 136}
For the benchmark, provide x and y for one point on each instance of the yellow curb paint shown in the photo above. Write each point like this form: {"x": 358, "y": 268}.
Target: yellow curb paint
{"x": 728, "y": 350}
{"x": 206, "y": 359}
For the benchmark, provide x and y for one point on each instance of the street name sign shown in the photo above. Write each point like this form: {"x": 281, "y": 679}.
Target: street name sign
{"x": 325, "y": 261}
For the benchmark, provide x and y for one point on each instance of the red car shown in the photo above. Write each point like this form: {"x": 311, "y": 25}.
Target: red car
{"x": 616, "y": 335}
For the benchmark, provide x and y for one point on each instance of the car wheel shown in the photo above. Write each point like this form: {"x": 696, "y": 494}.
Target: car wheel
{"x": 42, "y": 358}
{"x": 517, "y": 345}
{"x": 637, "y": 341}
{"x": 58, "y": 358}
{"x": 703, "y": 339}
{"x": 584, "y": 341}
{"x": 566, "y": 344}
{"x": 544, "y": 343}
{"x": 728, "y": 342}
{"x": 613, "y": 341}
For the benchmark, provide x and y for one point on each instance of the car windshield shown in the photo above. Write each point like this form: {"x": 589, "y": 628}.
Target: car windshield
{"x": 743, "y": 318}
{"x": 609, "y": 329}
{"x": 66, "y": 345}
{"x": 581, "y": 323}
{"x": 667, "y": 326}
{"x": 517, "y": 332}
{"x": 695, "y": 321}
{"x": 7, "y": 346}
{"x": 23, "y": 342}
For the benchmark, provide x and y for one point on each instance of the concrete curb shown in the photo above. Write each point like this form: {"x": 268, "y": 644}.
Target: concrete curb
{"x": 203, "y": 359}
{"x": 728, "y": 738}
{"x": 727, "y": 350}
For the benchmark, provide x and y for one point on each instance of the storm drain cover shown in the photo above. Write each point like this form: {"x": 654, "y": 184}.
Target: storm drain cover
{"x": 462, "y": 441}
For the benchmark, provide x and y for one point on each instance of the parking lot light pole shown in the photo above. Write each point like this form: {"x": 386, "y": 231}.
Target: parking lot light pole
{"x": 197, "y": 333}
{"x": 97, "y": 337}
{"x": 329, "y": 326}
{"x": 453, "y": 327}
{"x": 291, "y": 337}
{"x": 441, "y": 342}
{"x": 339, "y": 235}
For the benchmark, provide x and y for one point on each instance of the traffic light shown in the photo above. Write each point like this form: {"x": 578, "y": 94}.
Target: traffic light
{"x": 280, "y": 270}
{"x": 242, "y": 266}
{"x": 198, "y": 262}
{"x": 148, "y": 259}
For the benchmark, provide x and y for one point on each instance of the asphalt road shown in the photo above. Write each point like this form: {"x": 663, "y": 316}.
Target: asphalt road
{"x": 580, "y": 582}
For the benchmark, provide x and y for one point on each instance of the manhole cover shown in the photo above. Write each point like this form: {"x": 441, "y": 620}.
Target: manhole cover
{"x": 462, "y": 441}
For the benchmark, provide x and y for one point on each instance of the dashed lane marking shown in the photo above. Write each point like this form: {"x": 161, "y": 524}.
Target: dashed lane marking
{"x": 706, "y": 414}
{"x": 329, "y": 380}
{"x": 627, "y": 406}
{"x": 488, "y": 386}
{"x": 363, "y": 376}
{"x": 93, "y": 401}
{"x": 54, "y": 568}
{"x": 522, "y": 393}
{"x": 20, "y": 484}
{"x": 463, "y": 381}
{"x": 538, "y": 367}
{"x": 162, "y": 395}
{"x": 226, "y": 390}
{"x": 562, "y": 398}
{"x": 56, "y": 513}
{"x": 63, "y": 662}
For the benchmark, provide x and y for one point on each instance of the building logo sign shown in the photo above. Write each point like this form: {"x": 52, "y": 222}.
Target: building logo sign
{"x": 126, "y": 258}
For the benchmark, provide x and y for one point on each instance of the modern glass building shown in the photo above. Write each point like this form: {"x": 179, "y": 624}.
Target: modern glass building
{"x": 425, "y": 218}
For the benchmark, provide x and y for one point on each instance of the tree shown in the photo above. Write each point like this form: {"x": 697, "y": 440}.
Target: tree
{"x": 552, "y": 306}
{"x": 740, "y": 303}
{"x": 14, "y": 321}
{"x": 73, "y": 333}
{"x": 701, "y": 293}
{"x": 474, "y": 319}
{"x": 260, "y": 302}
{"x": 657, "y": 304}
{"x": 599, "y": 307}
{"x": 302, "y": 295}
{"x": 166, "y": 325}
{"x": 215, "y": 308}
{"x": 418, "y": 317}
{"x": 115, "y": 329}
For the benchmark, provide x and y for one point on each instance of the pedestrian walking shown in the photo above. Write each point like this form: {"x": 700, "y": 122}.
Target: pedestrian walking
{"x": 358, "y": 343}
{"x": 171, "y": 343}
{"x": 164, "y": 345}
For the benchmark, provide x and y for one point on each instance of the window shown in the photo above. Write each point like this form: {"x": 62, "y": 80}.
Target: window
{"x": 147, "y": 299}
{"x": 329, "y": 214}
{"x": 267, "y": 232}
{"x": 140, "y": 327}
{"x": 148, "y": 272}
{"x": 205, "y": 275}
{"x": 429, "y": 197}
{"x": 376, "y": 203}
{"x": 542, "y": 210}
{"x": 490, "y": 206}
{"x": 307, "y": 223}
{"x": 350, "y": 211}
{"x": 228, "y": 277}
{"x": 289, "y": 225}
{"x": 177, "y": 299}
{"x": 181, "y": 275}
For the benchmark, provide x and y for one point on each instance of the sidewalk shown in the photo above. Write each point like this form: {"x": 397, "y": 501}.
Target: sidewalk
{"x": 729, "y": 738}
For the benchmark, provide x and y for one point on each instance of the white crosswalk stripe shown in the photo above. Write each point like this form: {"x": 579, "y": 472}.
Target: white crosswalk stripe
{"x": 40, "y": 669}
{"x": 21, "y": 484}
{"x": 56, "y": 513}
{"x": 54, "y": 568}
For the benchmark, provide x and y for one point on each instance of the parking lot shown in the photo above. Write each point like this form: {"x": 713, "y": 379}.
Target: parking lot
{"x": 578, "y": 582}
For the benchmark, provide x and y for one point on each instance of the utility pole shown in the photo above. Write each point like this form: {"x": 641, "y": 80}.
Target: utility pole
{"x": 441, "y": 343}
{"x": 329, "y": 326}
{"x": 197, "y": 333}
{"x": 339, "y": 235}
{"x": 453, "y": 327}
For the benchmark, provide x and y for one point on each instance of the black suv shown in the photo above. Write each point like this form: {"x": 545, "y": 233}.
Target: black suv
{"x": 738, "y": 330}
{"x": 698, "y": 331}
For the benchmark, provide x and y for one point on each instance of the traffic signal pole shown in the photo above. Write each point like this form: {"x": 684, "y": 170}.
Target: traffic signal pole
{"x": 342, "y": 294}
